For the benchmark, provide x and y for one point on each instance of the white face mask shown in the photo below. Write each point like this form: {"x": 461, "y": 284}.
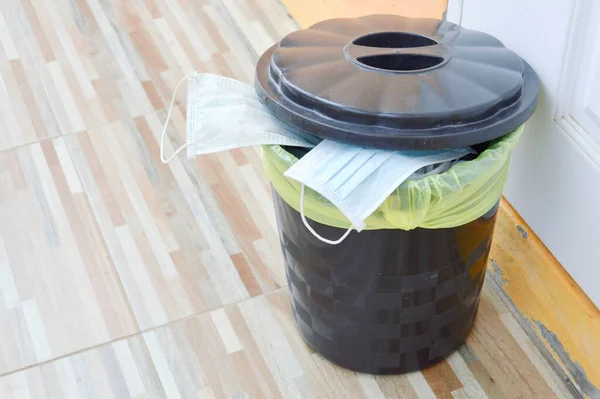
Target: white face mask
{"x": 357, "y": 180}
{"x": 223, "y": 114}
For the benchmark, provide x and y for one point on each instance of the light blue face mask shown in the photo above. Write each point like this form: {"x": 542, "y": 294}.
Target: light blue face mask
{"x": 223, "y": 114}
{"x": 357, "y": 180}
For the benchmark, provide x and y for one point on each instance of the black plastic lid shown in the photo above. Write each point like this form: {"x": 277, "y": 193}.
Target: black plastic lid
{"x": 395, "y": 82}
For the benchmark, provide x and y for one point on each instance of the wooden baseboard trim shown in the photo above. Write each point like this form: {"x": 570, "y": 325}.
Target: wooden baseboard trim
{"x": 547, "y": 298}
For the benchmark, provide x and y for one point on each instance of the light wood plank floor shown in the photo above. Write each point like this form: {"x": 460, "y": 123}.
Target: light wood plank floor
{"x": 124, "y": 278}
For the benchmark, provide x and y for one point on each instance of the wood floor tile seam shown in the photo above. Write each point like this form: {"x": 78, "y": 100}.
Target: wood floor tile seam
{"x": 99, "y": 127}
{"x": 497, "y": 289}
{"x": 138, "y": 329}
{"x": 139, "y": 333}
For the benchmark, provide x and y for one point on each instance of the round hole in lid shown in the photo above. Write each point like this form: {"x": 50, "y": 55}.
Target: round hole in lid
{"x": 394, "y": 40}
{"x": 401, "y": 62}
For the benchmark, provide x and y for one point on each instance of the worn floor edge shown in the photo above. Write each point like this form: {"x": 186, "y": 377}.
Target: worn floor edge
{"x": 531, "y": 333}
{"x": 537, "y": 323}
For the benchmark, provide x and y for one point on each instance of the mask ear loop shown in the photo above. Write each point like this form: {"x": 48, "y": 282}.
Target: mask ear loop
{"x": 313, "y": 232}
{"x": 164, "y": 132}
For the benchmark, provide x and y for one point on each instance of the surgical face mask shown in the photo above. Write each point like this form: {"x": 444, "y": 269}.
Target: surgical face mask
{"x": 357, "y": 180}
{"x": 223, "y": 114}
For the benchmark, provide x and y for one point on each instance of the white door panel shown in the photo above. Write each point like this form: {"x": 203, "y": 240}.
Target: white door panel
{"x": 539, "y": 37}
{"x": 554, "y": 179}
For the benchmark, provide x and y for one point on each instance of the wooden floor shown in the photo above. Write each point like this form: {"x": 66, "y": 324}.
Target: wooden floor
{"x": 124, "y": 278}
{"x": 308, "y": 12}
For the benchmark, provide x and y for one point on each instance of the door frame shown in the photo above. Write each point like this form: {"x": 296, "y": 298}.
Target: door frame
{"x": 580, "y": 23}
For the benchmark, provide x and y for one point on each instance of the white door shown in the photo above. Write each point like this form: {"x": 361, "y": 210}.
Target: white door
{"x": 554, "y": 180}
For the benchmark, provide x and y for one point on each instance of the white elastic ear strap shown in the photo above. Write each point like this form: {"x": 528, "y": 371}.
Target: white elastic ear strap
{"x": 313, "y": 232}
{"x": 164, "y": 132}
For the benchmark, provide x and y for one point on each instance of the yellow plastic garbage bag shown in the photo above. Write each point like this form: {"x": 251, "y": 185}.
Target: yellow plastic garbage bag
{"x": 456, "y": 197}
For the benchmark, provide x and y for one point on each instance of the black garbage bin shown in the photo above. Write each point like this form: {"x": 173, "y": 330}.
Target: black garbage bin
{"x": 391, "y": 301}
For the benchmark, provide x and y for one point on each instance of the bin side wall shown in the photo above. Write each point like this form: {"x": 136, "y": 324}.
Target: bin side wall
{"x": 385, "y": 301}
